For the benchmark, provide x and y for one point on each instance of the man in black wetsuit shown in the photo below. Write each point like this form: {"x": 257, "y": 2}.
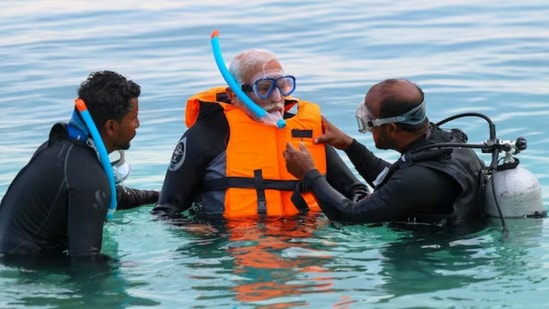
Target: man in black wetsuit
{"x": 57, "y": 203}
{"x": 435, "y": 187}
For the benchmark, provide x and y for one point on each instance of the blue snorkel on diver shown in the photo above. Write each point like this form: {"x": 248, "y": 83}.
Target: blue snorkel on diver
{"x": 235, "y": 87}
{"x": 101, "y": 151}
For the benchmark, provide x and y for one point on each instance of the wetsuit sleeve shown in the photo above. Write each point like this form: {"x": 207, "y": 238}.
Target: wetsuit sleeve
{"x": 365, "y": 162}
{"x": 88, "y": 199}
{"x": 198, "y": 146}
{"x": 401, "y": 196}
{"x": 341, "y": 178}
{"x": 130, "y": 198}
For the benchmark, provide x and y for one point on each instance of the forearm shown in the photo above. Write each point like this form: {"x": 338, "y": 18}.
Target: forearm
{"x": 342, "y": 178}
{"x": 130, "y": 198}
{"x": 326, "y": 196}
{"x": 175, "y": 197}
{"x": 376, "y": 207}
{"x": 366, "y": 162}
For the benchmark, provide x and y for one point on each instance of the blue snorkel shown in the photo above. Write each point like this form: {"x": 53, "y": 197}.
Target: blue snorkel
{"x": 101, "y": 150}
{"x": 235, "y": 87}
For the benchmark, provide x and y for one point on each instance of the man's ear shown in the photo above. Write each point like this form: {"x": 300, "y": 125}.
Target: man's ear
{"x": 393, "y": 128}
{"x": 230, "y": 93}
{"x": 111, "y": 127}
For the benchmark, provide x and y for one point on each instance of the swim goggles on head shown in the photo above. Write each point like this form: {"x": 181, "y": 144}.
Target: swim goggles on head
{"x": 366, "y": 122}
{"x": 263, "y": 87}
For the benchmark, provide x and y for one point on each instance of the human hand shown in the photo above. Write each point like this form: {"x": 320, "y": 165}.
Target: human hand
{"x": 333, "y": 136}
{"x": 298, "y": 162}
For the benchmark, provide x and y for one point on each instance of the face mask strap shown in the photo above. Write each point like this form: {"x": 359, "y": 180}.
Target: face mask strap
{"x": 365, "y": 123}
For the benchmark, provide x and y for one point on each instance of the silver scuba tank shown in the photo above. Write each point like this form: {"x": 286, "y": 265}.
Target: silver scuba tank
{"x": 518, "y": 193}
{"x": 513, "y": 188}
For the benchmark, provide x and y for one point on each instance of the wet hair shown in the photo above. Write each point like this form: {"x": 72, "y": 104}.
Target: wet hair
{"x": 249, "y": 62}
{"x": 108, "y": 95}
{"x": 395, "y": 103}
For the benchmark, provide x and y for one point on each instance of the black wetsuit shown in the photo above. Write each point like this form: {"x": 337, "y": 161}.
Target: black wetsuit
{"x": 204, "y": 147}
{"x": 435, "y": 187}
{"x": 58, "y": 201}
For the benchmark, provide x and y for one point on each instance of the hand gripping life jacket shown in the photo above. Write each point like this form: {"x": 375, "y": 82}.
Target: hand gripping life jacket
{"x": 256, "y": 180}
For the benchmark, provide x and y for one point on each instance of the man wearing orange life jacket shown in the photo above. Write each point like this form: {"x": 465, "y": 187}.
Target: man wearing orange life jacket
{"x": 229, "y": 163}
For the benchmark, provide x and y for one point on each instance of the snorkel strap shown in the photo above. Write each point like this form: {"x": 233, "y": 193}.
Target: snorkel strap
{"x": 101, "y": 151}
{"x": 258, "y": 111}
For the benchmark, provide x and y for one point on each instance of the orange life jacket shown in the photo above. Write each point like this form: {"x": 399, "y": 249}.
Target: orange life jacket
{"x": 256, "y": 178}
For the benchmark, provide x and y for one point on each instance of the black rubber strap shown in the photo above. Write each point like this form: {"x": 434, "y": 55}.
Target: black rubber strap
{"x": 260, "y": 190}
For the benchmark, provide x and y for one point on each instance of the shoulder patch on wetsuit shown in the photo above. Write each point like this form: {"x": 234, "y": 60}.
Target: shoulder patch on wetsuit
{"x": 178, "y": 156}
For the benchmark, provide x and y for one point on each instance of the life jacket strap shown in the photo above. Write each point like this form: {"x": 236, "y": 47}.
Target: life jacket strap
{"x": 222, "y": 184}
{"x": 260, "y": 185}
{"x": 298, "y": 200}
{"x": 260, "y": 191}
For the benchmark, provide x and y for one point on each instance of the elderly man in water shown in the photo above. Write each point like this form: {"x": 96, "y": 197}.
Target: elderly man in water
{"x": 228, "y": 162}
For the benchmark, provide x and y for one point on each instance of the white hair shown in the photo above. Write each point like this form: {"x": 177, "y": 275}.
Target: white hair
{"x": 248, "y": 61}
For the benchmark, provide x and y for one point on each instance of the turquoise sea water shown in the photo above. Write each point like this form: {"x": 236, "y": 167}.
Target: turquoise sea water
{"x": 490, "y": 57}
